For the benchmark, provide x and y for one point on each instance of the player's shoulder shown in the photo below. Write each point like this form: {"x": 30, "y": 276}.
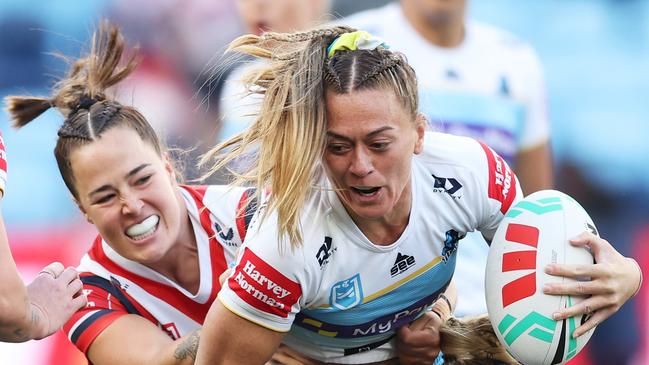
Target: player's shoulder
{"x": 214, "y": 197}
{"x": 448, "y": 149}
{"x": 461, "y": 156}
{"x": 263, "y": 236}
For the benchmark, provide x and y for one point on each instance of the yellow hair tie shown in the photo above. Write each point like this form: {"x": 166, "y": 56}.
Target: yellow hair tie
{"x": 353, "y": 41}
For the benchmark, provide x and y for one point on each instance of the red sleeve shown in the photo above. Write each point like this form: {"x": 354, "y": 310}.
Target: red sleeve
{"x": 104, "y": 307}
{"x": 502, "y": 181}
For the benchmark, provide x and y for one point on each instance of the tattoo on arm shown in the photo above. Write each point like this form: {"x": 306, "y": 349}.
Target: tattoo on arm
{"x": 188, "y": 347}
{"x": 20, "y": 336}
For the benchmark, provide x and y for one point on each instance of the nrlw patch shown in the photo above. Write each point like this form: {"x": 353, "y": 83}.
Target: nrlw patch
{"x": 502, "y": 184}
{"x": 263, "y": 287}
{"x": 346, "y": 294}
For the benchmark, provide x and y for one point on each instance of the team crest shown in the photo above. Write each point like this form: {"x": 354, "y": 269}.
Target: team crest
{"x": 347, "y": 294}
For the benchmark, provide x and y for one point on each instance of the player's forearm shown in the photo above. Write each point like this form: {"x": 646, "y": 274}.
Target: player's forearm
{"x": 179, "y": 352}
{"x": 446, "y": 302}
{"x": 185, "y": 348}
{"x": 15, "y": 315}
{"x": 17, "y": 321}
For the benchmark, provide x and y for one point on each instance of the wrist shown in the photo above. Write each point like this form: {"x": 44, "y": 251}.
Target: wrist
{"x": 38, "y": 326}
{"x": 635, "y": 263}
{"x": 443, "y": 307}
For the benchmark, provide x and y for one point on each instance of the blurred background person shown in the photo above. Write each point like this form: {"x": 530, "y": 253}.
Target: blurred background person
{"x": 475, "y": 80}
{"x": 236, "y": 107}
{"x": 594, "y": 54}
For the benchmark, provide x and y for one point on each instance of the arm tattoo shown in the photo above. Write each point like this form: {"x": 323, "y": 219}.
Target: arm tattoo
{"x": 20, "y": 336}
{"x": 188, "y": 347}
{"x": 19, "y": 333}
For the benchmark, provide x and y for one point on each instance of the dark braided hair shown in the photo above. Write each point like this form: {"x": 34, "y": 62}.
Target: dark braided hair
{"x": 81, "y": 98}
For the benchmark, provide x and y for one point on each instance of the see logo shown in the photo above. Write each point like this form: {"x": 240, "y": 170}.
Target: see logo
{"x": 524, "y": 286}
{"x": 401, "y": 264}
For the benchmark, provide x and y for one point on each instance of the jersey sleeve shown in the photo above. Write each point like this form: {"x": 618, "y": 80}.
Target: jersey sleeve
{"x": 265, "y": 286}
{"x": 103, "y": 308}
{"x": 501, "y": 188}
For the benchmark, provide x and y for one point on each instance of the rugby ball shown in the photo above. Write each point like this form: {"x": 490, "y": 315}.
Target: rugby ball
{"x": 534, "y": 233}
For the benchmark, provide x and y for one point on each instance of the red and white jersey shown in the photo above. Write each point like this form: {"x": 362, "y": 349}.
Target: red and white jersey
{"x": 340, "y": 297}
{"x": 116, "y": 286}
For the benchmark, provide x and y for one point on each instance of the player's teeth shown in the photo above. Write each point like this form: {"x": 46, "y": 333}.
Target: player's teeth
{"x": 146, "y": 226}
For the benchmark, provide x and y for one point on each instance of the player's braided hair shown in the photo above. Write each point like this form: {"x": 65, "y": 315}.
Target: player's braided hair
{"x": 289, "y": 132}
{"x": 81, "y": 98}
{"x": 472, "y": 341}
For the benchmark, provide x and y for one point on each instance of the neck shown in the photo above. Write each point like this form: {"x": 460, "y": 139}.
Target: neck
{"x": 445, "y": 30}
{"x": 180, "y": 264}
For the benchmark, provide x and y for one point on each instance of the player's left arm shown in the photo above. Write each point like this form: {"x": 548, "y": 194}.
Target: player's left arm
{"x": 614, "y": 279}
{"x": 39, "y": 309}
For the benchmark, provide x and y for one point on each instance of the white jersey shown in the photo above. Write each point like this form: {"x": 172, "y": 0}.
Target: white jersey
{"x": 340, "y": 297}
{"x": 117, "y": 286}
{"x": 489, "y": 88}
{"x": 237, "y": 107}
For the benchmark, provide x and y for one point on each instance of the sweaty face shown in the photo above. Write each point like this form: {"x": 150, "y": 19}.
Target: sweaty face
{"x": 127, "y": 190}
{"x": 259, "y": 16}
{"x": 371, "y": 140}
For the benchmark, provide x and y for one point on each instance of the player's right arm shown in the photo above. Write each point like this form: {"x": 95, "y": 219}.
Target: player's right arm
{"x": 112, "y": 330}
{"x": 256, "y": 305}
{"x": 132, "y": 339}
{"x": 234, "y": 340}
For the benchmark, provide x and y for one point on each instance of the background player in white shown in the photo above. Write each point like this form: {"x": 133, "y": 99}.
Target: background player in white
{"x": 474, "y": 80}
{"x": 355, "y": 184}
{"x": 39, "y": 309}
{"x": 153, "y": 271}
{"x": 257, "y": 16}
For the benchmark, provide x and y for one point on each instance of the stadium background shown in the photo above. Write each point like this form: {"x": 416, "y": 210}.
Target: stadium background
{"x": 595, "y": 55}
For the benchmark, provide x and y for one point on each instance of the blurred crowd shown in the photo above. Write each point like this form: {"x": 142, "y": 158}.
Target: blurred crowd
{"x": 594, "y": 55}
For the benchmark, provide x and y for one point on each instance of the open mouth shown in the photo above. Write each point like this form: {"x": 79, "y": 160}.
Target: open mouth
{"x": 144, "y": 229}
{"x": 366, "y": 191}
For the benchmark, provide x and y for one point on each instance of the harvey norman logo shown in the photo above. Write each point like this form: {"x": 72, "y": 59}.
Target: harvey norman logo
{"x": 263, "y": 287}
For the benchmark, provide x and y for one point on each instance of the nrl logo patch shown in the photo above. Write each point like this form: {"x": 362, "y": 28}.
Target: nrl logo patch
{"x": 346, "y": 294}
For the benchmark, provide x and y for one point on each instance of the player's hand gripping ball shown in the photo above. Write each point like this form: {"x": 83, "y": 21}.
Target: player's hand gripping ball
{"x": 533, "y": 234}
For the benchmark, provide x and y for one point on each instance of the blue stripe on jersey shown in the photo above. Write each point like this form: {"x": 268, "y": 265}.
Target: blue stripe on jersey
{"x": 87, "y": 323}
{"x": 473, "y": 109}
{"x": 100, "y": 282}
{"x": 377, "y": 319}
